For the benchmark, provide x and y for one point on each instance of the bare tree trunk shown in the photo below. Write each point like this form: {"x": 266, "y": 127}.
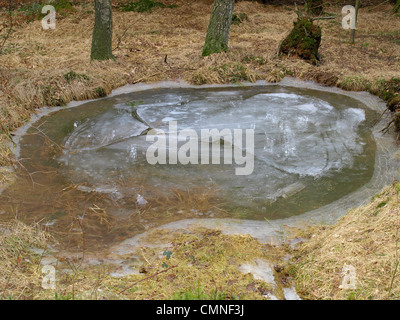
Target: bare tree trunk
{"x": 218, "y": 28}
{"x": 396, "y": 7}
{"x": 102, "y": 31}
{"x": 353, "y": 31}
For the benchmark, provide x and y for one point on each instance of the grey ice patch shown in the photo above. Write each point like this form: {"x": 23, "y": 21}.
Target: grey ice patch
{"x": 140, "y": 200}
{"x": 261, "y": 270}
{"x": 270, "y": 296}
{"x": 291, "y": 294}
{"x": 49, "y": 260}
{"x": 289, "y": 190}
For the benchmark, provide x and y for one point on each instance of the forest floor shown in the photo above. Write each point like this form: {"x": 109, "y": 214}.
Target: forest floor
{"x": 52, "y": 67}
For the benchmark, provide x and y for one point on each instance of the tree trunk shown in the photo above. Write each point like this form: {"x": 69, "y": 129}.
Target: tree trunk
{"x": 218, "y": 28}
{"x": 353, "y": 31}
{"x": 396, "y": 7}
{"x": 102, "y": 31}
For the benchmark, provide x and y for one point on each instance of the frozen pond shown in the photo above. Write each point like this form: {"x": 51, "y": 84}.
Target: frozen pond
{"x": 310, "y": 147}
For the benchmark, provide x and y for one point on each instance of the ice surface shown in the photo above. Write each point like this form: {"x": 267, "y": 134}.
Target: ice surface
{"x": 296, "y": 136}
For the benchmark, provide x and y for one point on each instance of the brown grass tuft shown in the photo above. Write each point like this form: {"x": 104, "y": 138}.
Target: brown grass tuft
{"x": 366, "y": 238}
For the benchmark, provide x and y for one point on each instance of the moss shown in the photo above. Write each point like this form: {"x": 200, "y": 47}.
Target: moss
{"x": 33, "y": 11}
{"x": 238, "y": 18}
{"x": 354, "y": 83}
{"x": 381, "y": 204}
{"x": 218, "y": 28}
{"x": 250, "y": 58}
{"x": 304, "y": 41}
{"x": 214, "y": 46}
{"x": 390, "y": 89}
{"x": 62, "y": 5}
{"x": 396, "y": 7}
{"x": 144, "y": 6}
{"x": 394, "y": 104}
{"x": 52, "y": 95}
{"x": 102, "y": 31}
{"x": 100, "y": 92}
{"x": 72, "y": 75}
{"x": 199, "y": 79}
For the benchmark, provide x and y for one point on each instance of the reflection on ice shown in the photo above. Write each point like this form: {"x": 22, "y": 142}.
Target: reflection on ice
{"x": 297, "y": 137}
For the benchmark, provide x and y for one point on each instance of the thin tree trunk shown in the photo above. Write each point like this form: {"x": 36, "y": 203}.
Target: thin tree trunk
{"x": 396, "y": 7}
{"x": 353, "y": 31}
{"x": 102, "y": 31}
{"x": 218, "y": 28}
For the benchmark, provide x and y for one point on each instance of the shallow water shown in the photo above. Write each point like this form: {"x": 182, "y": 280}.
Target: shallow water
{"x": 311, "y": 148}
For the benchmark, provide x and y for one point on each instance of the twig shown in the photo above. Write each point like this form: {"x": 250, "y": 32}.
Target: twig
{"x": 141, "y": 250}
{"x": 27, "y": 171}
{"x": 378, "y": 5}
{"x": 386, "y": 129}
{"x": 45, "y": 136}
{"x": 143, "y": 78}
{"x": 380, "y": 117}
{"x": 298, "y": 11}
{"x": 120, "y": 39}
{"x": 153, "y": 275}
{"x": 322, "y": 18}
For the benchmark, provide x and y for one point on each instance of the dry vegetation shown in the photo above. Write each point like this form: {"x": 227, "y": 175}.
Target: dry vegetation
{"x": 51, "y": 67}
{"x": 199, "y": 264}
{"x": 20, "y": 266}
{"x": 204, "y": 265}
{"x": 366, "y": 238}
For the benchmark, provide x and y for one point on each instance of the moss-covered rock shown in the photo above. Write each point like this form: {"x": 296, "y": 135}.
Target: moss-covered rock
{"x": 304, "y": 41}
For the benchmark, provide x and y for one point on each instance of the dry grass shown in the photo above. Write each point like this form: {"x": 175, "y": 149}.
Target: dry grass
{"x": 206, "y": 267}
{"x": 20, "y": 275}
{"x": 200, "y": 264}
{"x": 366, "y": 238}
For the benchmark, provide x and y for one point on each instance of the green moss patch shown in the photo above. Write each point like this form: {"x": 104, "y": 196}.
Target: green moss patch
{"x": 304, "y": 41}
{"x": 143, "y": 6}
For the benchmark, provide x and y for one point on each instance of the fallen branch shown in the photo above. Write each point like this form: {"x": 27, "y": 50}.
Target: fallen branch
{"x": 322, "y": 18}
{"x": 152, "y": 276}
{"x": 386, "y": 129}
{"x": 143, "y": 78}
{"x": 380, "y": 117}
{"x": 119, "y": 39}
